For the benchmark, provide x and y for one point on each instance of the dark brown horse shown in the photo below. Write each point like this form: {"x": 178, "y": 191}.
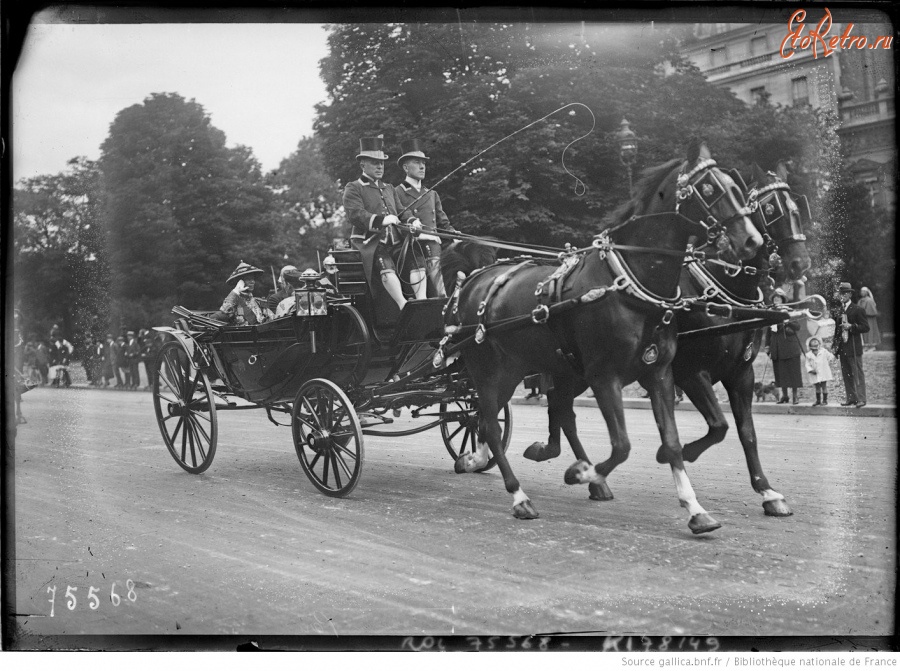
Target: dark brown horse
{"x": 702, "y": 361}
{"x": 464, "y": 256}
{"x": 621, "y": 328}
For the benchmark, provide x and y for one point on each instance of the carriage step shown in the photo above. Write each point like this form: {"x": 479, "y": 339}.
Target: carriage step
{"x": 374, "y": 420}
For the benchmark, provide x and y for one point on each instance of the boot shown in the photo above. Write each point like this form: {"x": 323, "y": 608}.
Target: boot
{"x": 795, "y": 400}
{"x": 818, "y": 398}
{"x": 825, "y": 398}
{"x": 433, "y": 266}
{"x": 784, "y": 398}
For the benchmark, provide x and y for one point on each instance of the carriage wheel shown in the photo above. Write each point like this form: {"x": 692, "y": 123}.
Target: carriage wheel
{"x": 460, "y": 431}
{"x": 185, "y": 409}
{"x": 328, "y": 437}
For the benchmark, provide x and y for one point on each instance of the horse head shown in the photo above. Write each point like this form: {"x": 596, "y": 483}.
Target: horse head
{"x": 709, "y": 195}
{"x": 779, "y": 217}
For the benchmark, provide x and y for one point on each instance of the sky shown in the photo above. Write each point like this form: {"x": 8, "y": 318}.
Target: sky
{"x": 258, "y": 82}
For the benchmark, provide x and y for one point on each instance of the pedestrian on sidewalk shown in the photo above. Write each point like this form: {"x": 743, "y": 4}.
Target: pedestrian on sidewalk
{"x": 872, "y": 338}
{"x": 848, "y": 345}
{"x": 783, "y": 347}
{"x": 818, "y": 366}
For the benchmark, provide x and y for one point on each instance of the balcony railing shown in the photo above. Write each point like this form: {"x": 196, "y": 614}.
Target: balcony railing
{"x": 740, "y": 65}
{"x": 871, "y": 110}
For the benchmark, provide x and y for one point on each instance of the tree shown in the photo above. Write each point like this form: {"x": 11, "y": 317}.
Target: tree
{"x": 464, "y": 88}
{"x": 182, "y": 209}
{"x": 59, "y": 252}
{"x": 309, "y": 205}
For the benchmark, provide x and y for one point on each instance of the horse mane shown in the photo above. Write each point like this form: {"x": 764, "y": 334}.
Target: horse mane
{"x": 645, "y": 189}
{"x": 466, "y": 256}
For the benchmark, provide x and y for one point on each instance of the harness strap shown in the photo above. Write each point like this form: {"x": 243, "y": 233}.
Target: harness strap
{"x": 499, "y": 281}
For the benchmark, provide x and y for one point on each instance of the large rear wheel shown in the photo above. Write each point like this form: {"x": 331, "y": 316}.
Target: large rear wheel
{"x": 185, "y": 409}
{"x": 459, "y": 428}
{"x": 328, "y": 437}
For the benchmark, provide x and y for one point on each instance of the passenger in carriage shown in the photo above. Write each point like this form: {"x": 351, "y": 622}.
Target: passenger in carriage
{"x": 413, "y": 197}
{"x": 292, "y": 279}
{"x": 287, "y": 282}
{"x": 371, "y": 208}
{"x": 240, "y": 308}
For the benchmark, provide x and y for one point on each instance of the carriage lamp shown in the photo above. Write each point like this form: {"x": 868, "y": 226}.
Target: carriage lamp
{"x": 311, "y": 296}
{"x": 628, "y": 148}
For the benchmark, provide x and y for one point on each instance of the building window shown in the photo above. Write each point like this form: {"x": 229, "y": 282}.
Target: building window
{"x": 758, "y": 45}
{"x": 800, "y": 91}
{"x": 759, "y": 96}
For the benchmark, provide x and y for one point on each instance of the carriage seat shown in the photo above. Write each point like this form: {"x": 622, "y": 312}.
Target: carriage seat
{"x": 351, "y": 274}
{"x": 198, "y": 320}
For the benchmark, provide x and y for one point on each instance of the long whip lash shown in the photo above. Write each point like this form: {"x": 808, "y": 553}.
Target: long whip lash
{"x": 580, "y": 187}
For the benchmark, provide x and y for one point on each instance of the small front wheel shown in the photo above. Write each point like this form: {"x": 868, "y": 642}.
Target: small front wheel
{"x": 328, "y": 437}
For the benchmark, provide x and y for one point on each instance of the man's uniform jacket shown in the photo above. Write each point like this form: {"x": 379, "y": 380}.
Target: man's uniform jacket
{"x": 427, "y": 209}
{"x": 367, "y": 203}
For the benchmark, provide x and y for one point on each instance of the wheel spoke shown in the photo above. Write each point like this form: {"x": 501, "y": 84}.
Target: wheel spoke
{"x": 199, "y": 414}
{"x": 166, "y": 399}
{"x": 325, "y": 463}
{"x": 200, "y": 450}
{"x": 190, "y": 435}
{"x": 193, "y": 387}
{"x": 165, "y": 374}
{"x": 177, "y": 427}
{"x": 306, "y": 422}
{"x": 455, "y": 433}
{"x": 314, "y": 461}
{"x": 318, "y": 423}
{"x": 343, "y": 448}
{"x": 184, "y": 445}
{"x": 335, "y": 470}
{"x": 199, "y": 429}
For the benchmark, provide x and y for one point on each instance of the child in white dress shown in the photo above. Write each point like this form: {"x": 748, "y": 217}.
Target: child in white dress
{"x": 818, "y": 366}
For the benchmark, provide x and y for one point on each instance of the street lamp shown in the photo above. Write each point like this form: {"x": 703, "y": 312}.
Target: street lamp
{"x": 628, "y": 147}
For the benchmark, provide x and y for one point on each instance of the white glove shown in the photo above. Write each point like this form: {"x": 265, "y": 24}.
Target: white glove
{"x": 415, "y": 226}
{"x": 239, "y": 287}
{"x": 390, "y": 219}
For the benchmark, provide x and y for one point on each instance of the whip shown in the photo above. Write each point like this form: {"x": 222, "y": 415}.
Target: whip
{"x": 578, "y": 182}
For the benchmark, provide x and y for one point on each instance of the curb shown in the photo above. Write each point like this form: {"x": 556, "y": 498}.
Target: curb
{"x": 758, "y": 408}
{"x": 644, "y": 404}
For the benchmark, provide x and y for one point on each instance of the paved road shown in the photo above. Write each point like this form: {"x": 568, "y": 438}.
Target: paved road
{"x": 250, "y": 547}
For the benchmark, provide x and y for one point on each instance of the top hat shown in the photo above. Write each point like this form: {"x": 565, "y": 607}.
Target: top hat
{"x": 243, "y": 270}
{"x": 845, "y": 288}
{"x": 372, "y": 147}
{"x": 411, "y": 149}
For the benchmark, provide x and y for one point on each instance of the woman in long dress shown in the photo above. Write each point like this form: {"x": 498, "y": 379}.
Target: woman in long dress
{"x": 872, "y": 339}
{"x": 783, "y": 347}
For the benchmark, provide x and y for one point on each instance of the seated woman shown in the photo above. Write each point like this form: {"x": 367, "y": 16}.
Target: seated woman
{"x": 240, "y": 308}
{"x": 287, "y": 282}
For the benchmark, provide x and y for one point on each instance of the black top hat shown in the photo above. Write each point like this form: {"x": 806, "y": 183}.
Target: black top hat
{"x": 243, "y": 270}
{"x": 372, "y": 147}
{"x": 411, "y": 149}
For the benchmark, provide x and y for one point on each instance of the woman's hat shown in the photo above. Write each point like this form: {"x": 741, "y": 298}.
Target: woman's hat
{"x": 372, "y": 147}
{"x": 411, "y": 149}
{"x": 243, "y": 270}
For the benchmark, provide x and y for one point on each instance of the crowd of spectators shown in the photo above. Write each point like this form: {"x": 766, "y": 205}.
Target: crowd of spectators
{"x": 113, "y": 362}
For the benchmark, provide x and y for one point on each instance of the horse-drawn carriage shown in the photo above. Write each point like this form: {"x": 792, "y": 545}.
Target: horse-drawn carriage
{"x": 602, "y": 316}
{"x": 339, "y": 367}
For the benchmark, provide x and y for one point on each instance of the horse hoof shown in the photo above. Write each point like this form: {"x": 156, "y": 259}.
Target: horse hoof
{"x": 539, "y": 451}
{"x": 777, "y": 508}
{"x": 575, "y": 474}
{"x": 600, "y": 491}
{"x": 703, "y": 523}
{"x": 525, "y": 511}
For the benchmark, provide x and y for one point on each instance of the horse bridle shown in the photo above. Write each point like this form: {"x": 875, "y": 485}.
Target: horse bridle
{"x": 703, "y": 182}
{"x": 767, "y": 202}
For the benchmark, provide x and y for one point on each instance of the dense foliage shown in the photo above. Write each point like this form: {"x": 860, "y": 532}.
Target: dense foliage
{"x": 169, "y": 210}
